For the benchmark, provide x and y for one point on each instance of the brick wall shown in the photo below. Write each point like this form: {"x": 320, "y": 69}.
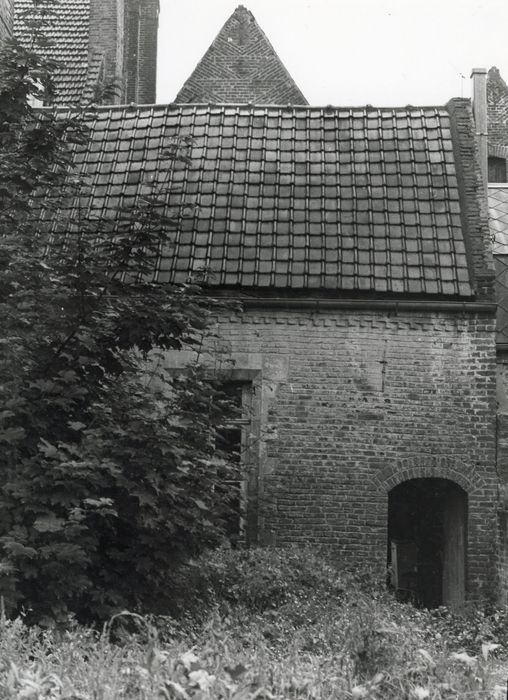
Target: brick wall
{"x": 6, "y": 19}
{"x": 502, "y": 467}
{"x": 141, "y": 28}
{"x": 125, "y": 32}
{"x": 351, "y": 403}
{"x": 497, "y": 108}
{"x": 107, "y": 39}
{"x": 149, "y": 25}
{"x": 241, "y": 66}
{"x": 131, "y": 30}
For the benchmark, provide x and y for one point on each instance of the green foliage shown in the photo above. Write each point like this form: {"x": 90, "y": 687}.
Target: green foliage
{"x": 110, "y": 473}
{"x": 470, "y": 630}
{"x": 262, "y": 579}
{"x": 368, "y": 646}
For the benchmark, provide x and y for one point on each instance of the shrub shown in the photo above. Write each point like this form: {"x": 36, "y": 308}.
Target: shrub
{"x": 267, "y": 578}
{"x": 110, "y": 469}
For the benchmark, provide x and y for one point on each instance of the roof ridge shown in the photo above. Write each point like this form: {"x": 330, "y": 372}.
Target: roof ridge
{"x": 265, "y": 107}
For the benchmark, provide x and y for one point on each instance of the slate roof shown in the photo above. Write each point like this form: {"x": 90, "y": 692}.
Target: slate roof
{"x": 498, "y": 218}
{"x": 308, "y": 198}
{"x": 68, "y": 31}
{"x": 241, "y": 66}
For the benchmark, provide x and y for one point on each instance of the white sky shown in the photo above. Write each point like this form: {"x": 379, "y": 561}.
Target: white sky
{"x": 350, "y": 52}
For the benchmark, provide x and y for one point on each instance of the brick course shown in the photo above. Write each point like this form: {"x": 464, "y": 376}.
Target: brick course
{"x": 352, "y": 403}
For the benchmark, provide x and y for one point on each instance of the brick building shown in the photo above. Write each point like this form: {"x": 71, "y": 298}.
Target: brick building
{"x": 98, "y": 42}
{"x": 357, "y": 242}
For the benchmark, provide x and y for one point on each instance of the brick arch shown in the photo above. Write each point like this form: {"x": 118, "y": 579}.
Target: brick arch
{"x": 498, "y": 150}
{"x": 429, "y": 469}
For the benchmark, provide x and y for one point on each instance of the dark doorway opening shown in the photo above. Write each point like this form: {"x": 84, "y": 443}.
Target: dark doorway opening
{"x": 427, "y": 523}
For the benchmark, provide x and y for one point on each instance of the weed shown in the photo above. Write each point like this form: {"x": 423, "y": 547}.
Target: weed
{"x": 272, "y": 624}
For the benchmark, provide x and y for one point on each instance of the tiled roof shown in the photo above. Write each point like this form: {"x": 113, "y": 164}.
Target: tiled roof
{"x": 241, "y": 66}
{"x": 346, "y": 200}
{"x": 68, "y": 32}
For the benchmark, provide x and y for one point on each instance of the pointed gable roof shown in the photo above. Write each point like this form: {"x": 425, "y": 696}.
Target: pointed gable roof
{"x": 241, "y": 66}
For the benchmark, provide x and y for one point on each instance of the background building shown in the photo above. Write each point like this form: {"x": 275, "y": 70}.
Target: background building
{"x": 99, "y": 42}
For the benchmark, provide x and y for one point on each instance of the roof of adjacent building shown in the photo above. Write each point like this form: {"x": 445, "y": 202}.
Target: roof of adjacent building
{"x": 67, "y": 29}
{"x": 5, "y": 20}
{"x": 241, "y": 66}
{"x": 301, "y": 198}
{"x": 498, "y": 218}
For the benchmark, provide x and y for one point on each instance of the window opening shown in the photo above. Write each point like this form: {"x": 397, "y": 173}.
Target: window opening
{"x": 497, "y": 169}
{"x": 233, "y": 439}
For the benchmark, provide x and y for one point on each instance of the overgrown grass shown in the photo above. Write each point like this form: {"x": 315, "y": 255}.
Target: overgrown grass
{"x": 260, "y": 624}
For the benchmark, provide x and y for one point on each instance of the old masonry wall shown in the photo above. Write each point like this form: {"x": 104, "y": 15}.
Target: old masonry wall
{"x": 346, "y": 405}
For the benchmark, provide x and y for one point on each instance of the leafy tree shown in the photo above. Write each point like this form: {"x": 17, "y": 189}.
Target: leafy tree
{"x": 110, "y": 475}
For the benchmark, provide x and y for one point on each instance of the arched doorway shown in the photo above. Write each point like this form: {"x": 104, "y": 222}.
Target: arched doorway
{"x": 427, "y": 530}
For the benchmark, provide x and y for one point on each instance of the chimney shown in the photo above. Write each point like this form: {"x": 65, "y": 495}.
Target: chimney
{"x": 479, "y": 77}
{"x": 141, "y": 26}
{"x": 107, "y": 40}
